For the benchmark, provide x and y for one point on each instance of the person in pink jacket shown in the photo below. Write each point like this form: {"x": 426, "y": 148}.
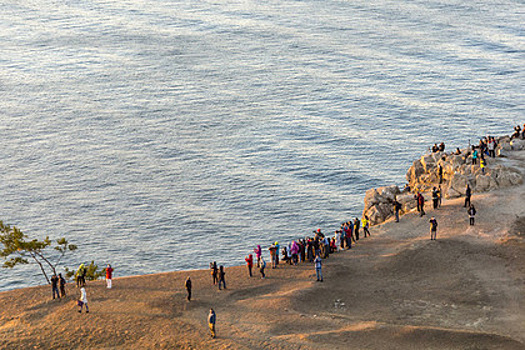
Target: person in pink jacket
{"x": 258, "y": 254}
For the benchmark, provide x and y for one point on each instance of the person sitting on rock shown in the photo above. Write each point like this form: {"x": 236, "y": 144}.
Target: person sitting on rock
{"x": 517, "y": 132}
{"x": 442, "y": 147}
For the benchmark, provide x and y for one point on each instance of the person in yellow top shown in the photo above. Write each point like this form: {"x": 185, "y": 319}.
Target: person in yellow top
{"x": 482, "y": 164}
{"x": 366, "y": 224}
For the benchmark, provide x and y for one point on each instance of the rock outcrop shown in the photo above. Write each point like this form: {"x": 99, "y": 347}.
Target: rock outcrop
{"x": 457, "y": 171}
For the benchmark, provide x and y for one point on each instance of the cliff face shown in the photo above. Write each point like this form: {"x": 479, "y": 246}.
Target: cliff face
{"x": 457, "y": 170}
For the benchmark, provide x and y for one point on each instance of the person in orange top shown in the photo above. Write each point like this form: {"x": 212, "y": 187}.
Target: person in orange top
{"x": 109, "y": 276}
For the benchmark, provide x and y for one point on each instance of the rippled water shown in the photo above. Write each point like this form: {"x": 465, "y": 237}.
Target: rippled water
{"x": 161, "y": 135}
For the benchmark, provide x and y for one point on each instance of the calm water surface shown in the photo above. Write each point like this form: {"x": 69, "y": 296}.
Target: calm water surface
{"x": 161, "y": 135}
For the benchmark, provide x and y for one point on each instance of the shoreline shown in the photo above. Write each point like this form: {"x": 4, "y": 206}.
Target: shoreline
{"x": 407, "y": 204}
{"x": 393, "y": 290}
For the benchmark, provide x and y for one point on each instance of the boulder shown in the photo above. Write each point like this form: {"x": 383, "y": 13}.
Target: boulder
{"x": 458, "y": 183}
{"x": 387, "y": 194}
{"x": 508, "y": 178}
{"x": 407, "y": 202}
{"x": 517, "y": 144}
{"x": 428, "y": 161}
{"x": 371, "y": 198}
{"x": 379, "y": 213}
{"x": 484, "y": 183}
{"x": 452, "y": 193}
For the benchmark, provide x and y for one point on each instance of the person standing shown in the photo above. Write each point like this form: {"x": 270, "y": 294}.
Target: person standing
{"x": 262, "y": 266}
{"x": 440, "y": 174}
{"x": 54, "y": 286}
{"x": 221, "y": 277}
{"x": 357, "y": 225}
{"x": 109, "y": 276}
{"x": 83, "y": 300}
{"x": 433, "y": 228}
{"x": 474, "y": 157}
{"x": 471, "y": 212}
{"x": 62, "y": 283}
{"x": 468, "y": 193}
{"x": 435, "y": 198}
{"x": 249, "y": 263}
{"x": 258, "y": 254}
{"x": 187, "y": 285}
{"x": 482, "y": 164}
{"x": 397, "y": 208}
{"x": 318, "y": 266}
{"x": 80, "y": 276}
{"x": 440, "y": 200}
{"x": 416, "y": 198}
{"x": 366, "y": 225}
{"x": 211, "y": 322}
{"x": 421, "y": 201}
{"x": 214, "y": 272}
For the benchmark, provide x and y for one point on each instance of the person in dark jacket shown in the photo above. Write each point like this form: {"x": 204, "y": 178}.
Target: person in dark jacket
{"x": 54, "y": 286}
{"x": 211, "y": 322}
{"x": 421, "y": 201}
{"x": 433, "y": 228}
{"x": 397, "y": 208}
{"x": 187, "y": 285}
{"x": 435, "y": 197}
{"x": 357, "y": 225}
{"x": 471, "y": 213}
{"x": 214, "y": 272}
{"x": 62, "y": 283}
{"x": 468, "y": 193}
{"x": 221, "y": 277}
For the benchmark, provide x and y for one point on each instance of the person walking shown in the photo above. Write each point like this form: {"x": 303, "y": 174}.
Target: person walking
{"x": 211, "y": 322}
{"x": 472, "y": 213}
{"x": 62, "y": 283}
{"x": 83, "y": 300}
{"x": 397, "y": 208}
{"x": 249, "y": 263}
{"x": 366, "y": 225}
{"x": 187, "y": 285}
{"x": 221, "y": 277}
{"x": 54, "y": 286}
{"x": 318, "y": 266}
{"x": 433, "y": 228}
{"x": 468, "y": 193}
{"x": 109, "y": 276}
{"x": 214, "y": 272}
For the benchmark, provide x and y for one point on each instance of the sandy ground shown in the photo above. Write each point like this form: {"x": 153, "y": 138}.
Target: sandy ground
{"x": 394, "y": 290}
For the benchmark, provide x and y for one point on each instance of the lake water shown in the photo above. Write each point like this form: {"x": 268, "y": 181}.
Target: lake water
{"x": 162, "y": 135}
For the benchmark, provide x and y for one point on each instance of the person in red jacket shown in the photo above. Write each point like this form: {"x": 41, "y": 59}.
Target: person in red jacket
{"x": 249, "y": 263}
{"x": 109, "y": 276}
